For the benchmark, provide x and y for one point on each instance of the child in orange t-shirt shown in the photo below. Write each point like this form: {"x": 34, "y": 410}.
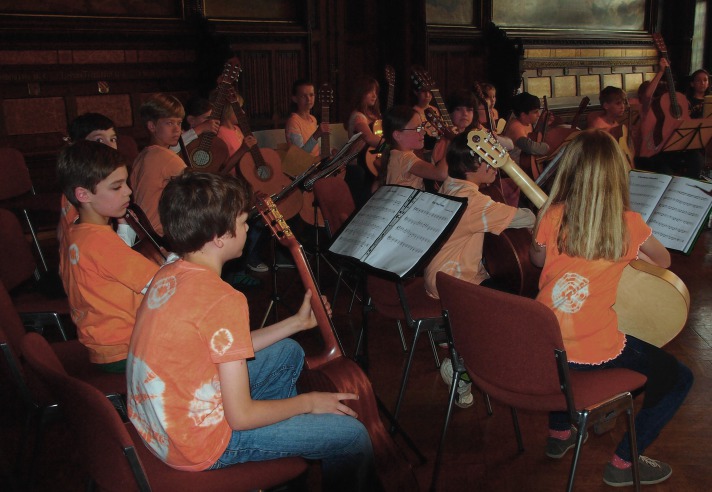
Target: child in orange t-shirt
{"x": 585, "y": 236}
{"x": 203, "y": 391}
{"x": 156, "y": 164}
{"x": 104, "y": 278}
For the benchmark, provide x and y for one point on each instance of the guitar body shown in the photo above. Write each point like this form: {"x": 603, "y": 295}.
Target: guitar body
{"x": 506, "y": 256}
{"x": 344, "y": 375}
{"x": 331, "y": 371}
{"x": 265, "y": 175}
{"x": 371, "y": 157}
{"x": 660, "y": 123}
{"x": 652, "y": 303}
{"x": 212, "y": 160}
{"x": 307, "y": 211}
{"x": 625, "y": 142}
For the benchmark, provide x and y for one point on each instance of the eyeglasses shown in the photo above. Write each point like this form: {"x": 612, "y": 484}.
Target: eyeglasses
{"x": 417, "y": 129}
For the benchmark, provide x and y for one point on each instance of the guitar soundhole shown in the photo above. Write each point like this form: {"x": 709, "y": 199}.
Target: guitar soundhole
{"x": 201, "y": 158}
{"x": 264, "y": 173}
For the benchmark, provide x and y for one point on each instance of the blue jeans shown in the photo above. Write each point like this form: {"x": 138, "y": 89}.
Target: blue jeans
{"x": 668, "y": 384}
{"x": 339, "y": 441}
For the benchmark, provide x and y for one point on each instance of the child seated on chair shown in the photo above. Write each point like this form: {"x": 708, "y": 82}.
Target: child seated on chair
{"x": 203, "y": 391}
{"x": 156, "y": 164}
{"x": 585, "y": 236}
{"x": 613, "y": 105}
{"x": 526, "y": 109}
{"x": 302, "y": 128}
{"x": 103, "y": 277}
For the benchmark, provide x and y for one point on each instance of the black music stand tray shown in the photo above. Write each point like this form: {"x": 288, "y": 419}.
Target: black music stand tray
{"x": 692, "y": 134}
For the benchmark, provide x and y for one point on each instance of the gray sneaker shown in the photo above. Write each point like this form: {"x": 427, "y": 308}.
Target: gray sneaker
{"x": 651, "y": 472}
{"x": 464, "y": 398}
{"x": 557, "y": 448}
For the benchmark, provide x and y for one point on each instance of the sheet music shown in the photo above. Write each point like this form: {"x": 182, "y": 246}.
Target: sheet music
{"x": 645, "y": 191}
{"x": 681, "y": 209}
{"x": 396, "y": 228}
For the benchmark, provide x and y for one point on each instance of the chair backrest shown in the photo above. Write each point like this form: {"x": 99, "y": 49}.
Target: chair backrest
{"x": 507, "y": 343}
{"x": 11, "y": 333}
{"x": 339, "y": 136}
{"x": 17, "y": 263}
{"x": 128, "y": 148}
{"x": 270, "y": 139}
{"x": 14, "y": 176}
{"x": 100, "y": 434}
{"x": 335, "y": 201}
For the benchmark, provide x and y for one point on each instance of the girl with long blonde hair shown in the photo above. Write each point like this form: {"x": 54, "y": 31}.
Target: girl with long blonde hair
{"x": 585, "y": 236}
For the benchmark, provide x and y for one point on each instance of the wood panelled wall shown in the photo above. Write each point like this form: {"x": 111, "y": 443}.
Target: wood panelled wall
{"x": 54, "y": 66}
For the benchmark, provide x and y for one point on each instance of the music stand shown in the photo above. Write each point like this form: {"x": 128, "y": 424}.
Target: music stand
{"x": 707, "y": 107}
{"x": 692, "y": 134}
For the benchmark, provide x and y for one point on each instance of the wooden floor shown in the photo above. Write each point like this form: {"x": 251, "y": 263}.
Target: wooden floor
{"x": 481, "y": 450}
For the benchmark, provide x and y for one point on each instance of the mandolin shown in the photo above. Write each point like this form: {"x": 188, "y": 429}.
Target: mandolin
{"x": 331, "y": 371}
{"x": 666, "y": 113}
{"x": 372, "y": 157}
{"x": 652, "y": 303}
{"x": 262, "y": 168}
{"x": 207, "y": 153}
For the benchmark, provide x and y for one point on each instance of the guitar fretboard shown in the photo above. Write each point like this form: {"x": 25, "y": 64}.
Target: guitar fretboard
{"x": 441, "y": 107}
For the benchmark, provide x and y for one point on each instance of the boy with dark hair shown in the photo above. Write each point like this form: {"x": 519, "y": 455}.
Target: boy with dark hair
{"x": 613, "y": 105}
{"x": 156, "y": 164}
{"x": 103, "y": 277}
{"x": 95, "y": 127}
{"x": 526, "y": 111}
{"x": 203, "y": 391}
{"x": 461, "y": 255}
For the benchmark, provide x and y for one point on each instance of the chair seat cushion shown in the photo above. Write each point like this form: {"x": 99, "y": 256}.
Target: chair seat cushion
{"x": 254, "y": 475}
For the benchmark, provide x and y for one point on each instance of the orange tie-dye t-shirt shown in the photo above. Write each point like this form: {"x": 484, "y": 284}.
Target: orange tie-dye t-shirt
{"x": 189, "y": 322}
{"x": 104, "y": 279}
{"x": 582, "y": 292}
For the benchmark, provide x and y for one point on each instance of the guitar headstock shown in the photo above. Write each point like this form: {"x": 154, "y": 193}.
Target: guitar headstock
{"x": 421, "y": 79}
{"x": 435, "y": 120}
{"x": 486, "y": 147}
{"x": 274, "y": 219}
{"x": 231, "y": 71}
{"x": 326, "y": 94}
{"x": 477, "y": 89}
{"x": 660, "y": 44}
{"x": 390, "y": 75}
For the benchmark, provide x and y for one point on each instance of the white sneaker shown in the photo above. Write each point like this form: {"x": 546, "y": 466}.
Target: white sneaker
{"x": 464, "y": 397}
{"x": 259, "y": 268}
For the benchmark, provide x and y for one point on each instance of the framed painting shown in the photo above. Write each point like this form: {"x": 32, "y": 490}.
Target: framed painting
{"x": 452, "y": 12}
{"x": 161, "y": 9}
{"x": 264, "y": 10}
{"x": 588, "y": 15}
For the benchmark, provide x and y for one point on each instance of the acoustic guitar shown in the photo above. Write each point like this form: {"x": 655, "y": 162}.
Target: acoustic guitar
{"x": 422, "y": 82}
{"x": 331, "y": 371}
{"x": 556, "y": 136}
{"x": 372, "y": 157}
{"x": 308, "y": 213}
{"x": 262, "y": 168}
{"x": 666, "y": 113}
{"x": 207, "y": 153}
{"x": 529, "y": 162}
{"x": 652, "y": 303}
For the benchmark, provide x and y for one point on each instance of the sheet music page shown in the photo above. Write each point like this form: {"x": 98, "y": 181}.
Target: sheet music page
{"x": 645, "y": 191}
{"x": 370, "y": 222}
{"x": 403, "y": 245}
{"x": 681, "y": 212}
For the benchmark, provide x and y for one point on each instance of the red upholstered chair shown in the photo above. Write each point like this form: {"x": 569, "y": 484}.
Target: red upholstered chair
{"x": 112, "y": 452}
{"x": 18, "y": 194}
{"x": 18, "y": 272}
{"x": 40, "y": 407}
{"x": 128, "y": 148}
{"x": 512, "y": 349}
{"x": 404, "y": 300}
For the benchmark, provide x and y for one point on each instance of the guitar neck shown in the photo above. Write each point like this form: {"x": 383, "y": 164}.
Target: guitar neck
{"x": 441, "y": 107}
{"x": 325, "y": 138}
{"x": 244, "y": 126}
{"x": 675, "y": 110}
{"x": 389, "y": 100}
{"x": 524, "y": 182}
